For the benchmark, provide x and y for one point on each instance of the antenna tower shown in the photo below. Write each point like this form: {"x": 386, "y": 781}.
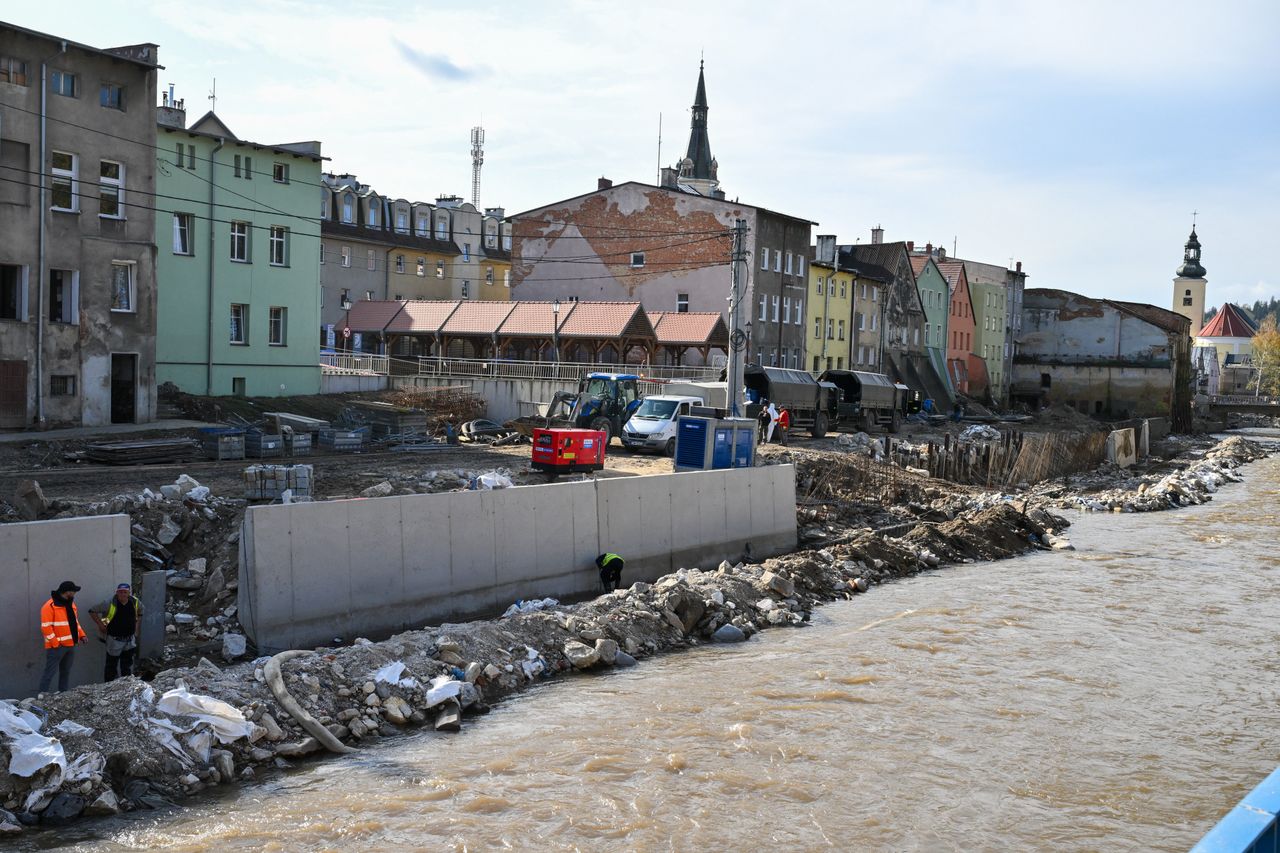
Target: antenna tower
{"x": 477, "y": 160}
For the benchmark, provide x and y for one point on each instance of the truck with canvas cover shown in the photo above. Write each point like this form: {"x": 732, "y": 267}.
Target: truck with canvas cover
{"x": 811, "y": 403}
{"x": 603, "y": 401}
{"x": 865, "y": 399}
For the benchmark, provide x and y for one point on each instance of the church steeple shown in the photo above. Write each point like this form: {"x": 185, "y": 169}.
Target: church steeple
{"x": 698, "y": 168}
{"x": 1191, "y": 267}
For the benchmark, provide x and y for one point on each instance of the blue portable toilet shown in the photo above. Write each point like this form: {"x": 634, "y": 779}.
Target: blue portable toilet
{"x": 704, "y": 444}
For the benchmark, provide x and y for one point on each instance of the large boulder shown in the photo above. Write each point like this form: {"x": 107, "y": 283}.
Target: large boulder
{"x": 581, "y": 655}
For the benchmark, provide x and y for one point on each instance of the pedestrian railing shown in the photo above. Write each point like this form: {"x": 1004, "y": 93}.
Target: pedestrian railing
{"x": 561, "y": 371}
{"x": 1250, "y": 827}
{"x": 353, "y": 364}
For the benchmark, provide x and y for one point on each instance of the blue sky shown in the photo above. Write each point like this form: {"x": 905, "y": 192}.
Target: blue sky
{"x": 1075, "y": 137}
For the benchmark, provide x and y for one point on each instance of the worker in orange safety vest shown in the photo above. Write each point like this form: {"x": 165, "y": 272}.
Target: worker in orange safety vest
{"x": 60, "y": 625}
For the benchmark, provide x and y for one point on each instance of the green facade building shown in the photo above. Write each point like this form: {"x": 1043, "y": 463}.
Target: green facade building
{"x": 238, "y": 260}
{"x": 935, "y": 295}
{"x": 989, "y": 333}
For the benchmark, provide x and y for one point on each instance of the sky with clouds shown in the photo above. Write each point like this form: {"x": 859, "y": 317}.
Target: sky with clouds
{"x": 1076, "y": 137}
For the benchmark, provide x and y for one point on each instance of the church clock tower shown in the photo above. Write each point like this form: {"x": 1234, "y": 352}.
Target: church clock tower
{"x": 1189, "y": 285}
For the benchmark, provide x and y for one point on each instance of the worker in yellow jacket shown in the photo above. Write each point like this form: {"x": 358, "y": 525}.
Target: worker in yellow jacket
{"x": 60, "y": 624}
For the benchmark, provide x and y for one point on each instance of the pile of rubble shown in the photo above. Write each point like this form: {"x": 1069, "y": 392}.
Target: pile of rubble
{"x": 1191, "y": 484}
{"x": 130, "y": 745}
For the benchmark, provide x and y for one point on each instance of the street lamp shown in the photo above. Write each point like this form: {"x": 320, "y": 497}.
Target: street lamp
{"x": 555, "y": 328}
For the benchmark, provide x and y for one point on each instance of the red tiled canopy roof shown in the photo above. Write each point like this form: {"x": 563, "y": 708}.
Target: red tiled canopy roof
{"x": 605, "y": 320}
{"x": 1230, "y": 322}
{"x": 476, "y": 318}
{"x": 532, "y": 320}
{"x": 366, "y": 316}
{"x": 421, "y": 316}
{"x": 692, "y": 328}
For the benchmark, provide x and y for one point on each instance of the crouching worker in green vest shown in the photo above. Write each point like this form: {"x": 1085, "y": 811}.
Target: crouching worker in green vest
{"x": 119, "y": 623}
{"x": 610, "y": 566}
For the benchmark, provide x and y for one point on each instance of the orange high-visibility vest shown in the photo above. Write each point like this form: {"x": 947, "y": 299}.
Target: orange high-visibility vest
{"x": 56, "y": 628}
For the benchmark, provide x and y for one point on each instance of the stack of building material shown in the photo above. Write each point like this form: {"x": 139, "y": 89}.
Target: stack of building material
{"x": 269, "y": 482}
{"x": 386, "y": 419}
{"x": 341, "y": 440}
{"x": 297, "y": 444}
{"x": 222, "y": 442}
{"x": 298, "y": 423}
{"x": 261, "y": 445}
{"x": 150, "y": 452}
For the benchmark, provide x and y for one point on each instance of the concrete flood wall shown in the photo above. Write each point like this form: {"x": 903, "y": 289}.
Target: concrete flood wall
{"x": 35, "y": 557}
{"x": 372, "y": 567}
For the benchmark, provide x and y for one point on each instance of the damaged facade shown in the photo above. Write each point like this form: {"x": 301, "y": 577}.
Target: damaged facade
{"x": 77, "y": 262}
{"x": 1104, "y": 357}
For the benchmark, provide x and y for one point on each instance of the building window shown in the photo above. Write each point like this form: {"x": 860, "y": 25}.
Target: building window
{"x": 191, "y": 157}
{"x": 400, "y": 264}
{"x": 840, "y": 330}
{"x": 682, "y": 303}
{"x": 506, "y": 242}
{"x": 63, "y": 83}
{"x": 820, "y": 285}
{"x": 280, "y": 174}
{"x": 13, "y": 71}
{"x": 420, "y": 225}
{"x": 764, "y": 307}
{"x": 322, "y": 253}
{"x": 842, "y": 290}
{"x": 182, "y": 225}
{"x": 799, "y": 311}
{"x": 442, "y": 229}
{"x": 440, "y": 269}
{"x": 373, "y": 213}
{"x": 466, "y": 290}
{"x": 506, "y": 278}
{"x": 277, "y": 326}
{"x": 777, "y": 261}
{"x": 279, "y": 246}
{"x": 123, "y": 286}
{"x": 402, "y": 222}
{"x": 370, "y": 262}
{"x": 786, "y": 309}
{"x": 344, "y": 299}
{"x": 1186, "y": 300}
{"x": 348, "y": 209}
{"x": 799, "y": 270}
{"x": 875, "y": 293}
{"x": 64, "y": 296}
{"x": 775, "y": 309}
{"x": 13, "y": 292}
{"x": 764, "y": 259}
{"x": 875, "y": 321}
{"x": 62, "y": 385}
{"x": 66, "y": 195}
{"x": 248, "y": 168}
{"x": 637, "y": 259}
{"x": 488, "y": 275}
{"x": 236, "y": 167}
{"x": 831, "y": 329}
{"x": 324, "y": 204}
{"x": 817, "y": 327}
{"x": 240, "y": 242}
{"x": 789, "y": 262}
{"x": 239, "y": 324}
{"x": 490, "y": 240}
{"x": 111, "y": 96}
{"x": 345, "y": 251}
{"x": 111, "y": 190}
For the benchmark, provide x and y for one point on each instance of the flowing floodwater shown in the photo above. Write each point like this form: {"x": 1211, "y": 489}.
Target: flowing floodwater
{"x": 1119, "y": 697}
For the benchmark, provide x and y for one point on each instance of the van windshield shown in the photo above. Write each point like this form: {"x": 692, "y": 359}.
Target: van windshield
{"x": 656, "y": 410}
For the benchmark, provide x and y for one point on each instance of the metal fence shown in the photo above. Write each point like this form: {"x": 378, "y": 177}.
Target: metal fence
{"x": 1243, "y": 400}
{"x": 1250, "y": 827}
{"x": 564, "y": 371}
{"x": 353, "y": 364}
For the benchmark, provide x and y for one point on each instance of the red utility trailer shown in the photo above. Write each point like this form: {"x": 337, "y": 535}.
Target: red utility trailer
{"x": 566, "y": 451}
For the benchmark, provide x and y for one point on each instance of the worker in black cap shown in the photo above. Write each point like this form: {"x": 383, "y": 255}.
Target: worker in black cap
{"x": 610, "y": 566}
{"x": 60, "y": 625}
{"x": 119, "y": 621}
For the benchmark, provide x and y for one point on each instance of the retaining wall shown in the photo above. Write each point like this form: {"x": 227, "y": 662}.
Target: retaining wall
{"x": 502, "y": 396}
{"x": 35, "y": 557}
{"x": 372, "y": 567}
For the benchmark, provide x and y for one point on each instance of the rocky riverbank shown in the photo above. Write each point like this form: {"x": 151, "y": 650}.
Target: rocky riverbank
{"x": 100, "y": 749}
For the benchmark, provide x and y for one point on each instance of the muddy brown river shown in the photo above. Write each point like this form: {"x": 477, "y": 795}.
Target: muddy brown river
{"x": 1119, "y": 697}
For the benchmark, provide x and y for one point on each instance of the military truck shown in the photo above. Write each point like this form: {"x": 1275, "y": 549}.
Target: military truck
{"x": 865, "y": 400}
{"x": 811, "y": 404}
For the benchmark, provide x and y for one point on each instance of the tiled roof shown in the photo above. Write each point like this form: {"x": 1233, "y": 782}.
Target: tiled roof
{"x": 693, "y": 327}
{"x": 1229, "y": 322}
{"x": 422, "y": 316}
{"x": 918, "y": 262}
{"x": 388, "y": 237}
{"x": 605, "y": 320}
{"x": 477, "y": 318}
{"x": 951, "y": 271}
{"x": 366, "y": 316}
{"x": 532, "y": 319}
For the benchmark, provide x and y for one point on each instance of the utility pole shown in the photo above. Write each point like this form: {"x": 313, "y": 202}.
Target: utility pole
{"x": 737, "y": 337}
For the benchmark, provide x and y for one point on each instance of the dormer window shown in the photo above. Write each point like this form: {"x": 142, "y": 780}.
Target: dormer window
{"x": 421, "y": 226}
{"x": 348, "y": 209}
{"x": 402, "y": 221}
{"x": 373, "y": 213}
{"x": 442, "y": 229}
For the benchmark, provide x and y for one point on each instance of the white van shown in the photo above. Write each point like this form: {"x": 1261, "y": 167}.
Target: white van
{"x": 653, "y": 426}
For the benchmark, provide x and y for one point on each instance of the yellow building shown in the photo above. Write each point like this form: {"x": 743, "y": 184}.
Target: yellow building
{"x": 831, "y": 295}
{"x": 495, "y": 279}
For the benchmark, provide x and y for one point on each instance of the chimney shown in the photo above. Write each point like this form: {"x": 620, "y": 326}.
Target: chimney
{"x": 911, "y": 245}
{"x": 942, "y": 253}
{"x": 826, "y": 249}
{"x": 928, "y": 249}
{"x": 669, "y": 178}
{"x": 603, "y": 183}
{"x": 1019, "y": 267}
{"x": 877, "y": 235}
{"x": 171, "y": 112}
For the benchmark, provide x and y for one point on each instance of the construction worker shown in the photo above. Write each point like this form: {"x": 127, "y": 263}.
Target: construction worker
{"x": 60, "y": 625}
{"x": 784, "y": 425}
{"x": 610, "y": 566}
{"x": 119, "y": 622}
